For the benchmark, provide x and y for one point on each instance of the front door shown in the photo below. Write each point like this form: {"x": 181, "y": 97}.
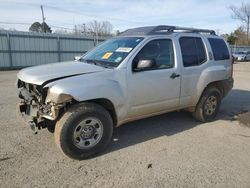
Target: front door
{"x": 155, "y": 89}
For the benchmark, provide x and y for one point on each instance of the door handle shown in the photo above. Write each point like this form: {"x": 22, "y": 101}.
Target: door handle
{"x": 174, "y": 75}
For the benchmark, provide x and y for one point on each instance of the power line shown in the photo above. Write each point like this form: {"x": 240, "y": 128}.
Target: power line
{"x": 90, "y": 15}
{"x": 13, "y": 23}
{"x": 78, "y": 12}
{"x": 60, "y": 27}
{"x": 59, "y": 22}
{"x": 65, "y": 10}
{"x": 29, "y": 24}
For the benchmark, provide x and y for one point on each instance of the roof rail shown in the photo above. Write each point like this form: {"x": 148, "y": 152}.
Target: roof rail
{"x": 164, "y": 29}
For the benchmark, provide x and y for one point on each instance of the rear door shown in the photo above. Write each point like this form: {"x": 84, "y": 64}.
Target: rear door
{"x": 194, "y": 61}
{"x": 221, "y": 57}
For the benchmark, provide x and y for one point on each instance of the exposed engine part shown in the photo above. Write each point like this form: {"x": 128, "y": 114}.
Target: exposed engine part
{"x": 33, "y": 108}
{"x": 33, "y": 127}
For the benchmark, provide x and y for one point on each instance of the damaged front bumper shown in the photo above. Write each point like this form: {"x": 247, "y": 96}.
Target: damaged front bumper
{"x": 24, "y": 112}
{"x": 33, "y": 112}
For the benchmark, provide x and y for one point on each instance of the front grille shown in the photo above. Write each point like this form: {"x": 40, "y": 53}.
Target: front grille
{"x": 31, "y": 89}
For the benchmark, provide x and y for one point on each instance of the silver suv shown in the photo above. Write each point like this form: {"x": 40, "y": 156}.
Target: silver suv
{"x": 144, "y": 72}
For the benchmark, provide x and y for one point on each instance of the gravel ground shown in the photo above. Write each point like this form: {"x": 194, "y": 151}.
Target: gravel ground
{"x": 170, "y": 150}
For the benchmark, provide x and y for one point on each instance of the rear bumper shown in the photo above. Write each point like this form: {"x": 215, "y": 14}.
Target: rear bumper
{"x": 240, "y": 59}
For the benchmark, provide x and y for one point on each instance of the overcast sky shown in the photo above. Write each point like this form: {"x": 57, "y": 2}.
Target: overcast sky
{"x": 123, "y": 14}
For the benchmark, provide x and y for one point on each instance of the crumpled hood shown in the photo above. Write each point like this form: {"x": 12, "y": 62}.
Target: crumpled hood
{"x": 38, "y": 75}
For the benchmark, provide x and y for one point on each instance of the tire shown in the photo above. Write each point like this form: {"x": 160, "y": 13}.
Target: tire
{"x": 83, "y": 131}
{"x": 208, "y": 105}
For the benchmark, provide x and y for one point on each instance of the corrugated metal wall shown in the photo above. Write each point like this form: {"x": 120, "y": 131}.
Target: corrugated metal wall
{"x": 22, "y": 49}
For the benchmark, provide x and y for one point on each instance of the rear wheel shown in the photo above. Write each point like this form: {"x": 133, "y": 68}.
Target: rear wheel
{"x": 84, "y": 130}
{"x": 208, "y": 105}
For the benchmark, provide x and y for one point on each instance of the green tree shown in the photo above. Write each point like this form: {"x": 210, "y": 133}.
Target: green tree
{"x": 241, "y": 36}
{"x": 36, "y": 27}
{"x": 46, "y": 28}
{"x": 237, "y": 37}
{"x": 231, "y": 39}
{"x": 40, "y": 27}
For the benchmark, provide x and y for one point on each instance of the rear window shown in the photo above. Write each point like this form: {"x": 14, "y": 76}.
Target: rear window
{"x": 219, "y": 49}
{"x": 193, "y": 51}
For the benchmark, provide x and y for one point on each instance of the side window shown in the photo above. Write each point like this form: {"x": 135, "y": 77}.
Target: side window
{"x": 219, "y": 49}
{"x": 159, "y": 51}
{"x": 193, "y": 51}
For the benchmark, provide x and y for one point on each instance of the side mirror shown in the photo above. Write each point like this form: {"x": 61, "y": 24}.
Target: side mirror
{"x": 145, "y": 64}
{"x": 77, "y": 58}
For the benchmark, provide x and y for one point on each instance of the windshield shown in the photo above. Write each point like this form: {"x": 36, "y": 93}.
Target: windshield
{"x": 112, "y": 52}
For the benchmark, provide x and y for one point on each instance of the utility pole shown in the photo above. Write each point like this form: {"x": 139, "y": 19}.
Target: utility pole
{"x": 96, "y": 36}
{"x": 84, "y": 29}
{"x": 75, "y": 30}
{"x": 248, "y": 20}
{"x": 43, "y": 18}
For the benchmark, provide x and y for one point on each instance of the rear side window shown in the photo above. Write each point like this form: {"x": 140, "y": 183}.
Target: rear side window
{"x": 219, "y": 49}
{"x": 193, "y": 51}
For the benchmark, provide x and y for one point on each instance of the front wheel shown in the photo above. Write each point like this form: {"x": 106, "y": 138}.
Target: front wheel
{"x": 84, "y": 130}
{"x": 208, "y": 105}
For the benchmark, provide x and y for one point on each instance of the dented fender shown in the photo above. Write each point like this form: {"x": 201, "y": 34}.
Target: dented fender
{"x": 83, "y": 88}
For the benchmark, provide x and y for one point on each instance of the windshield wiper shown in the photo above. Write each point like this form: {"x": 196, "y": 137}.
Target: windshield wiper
{"x": 98, "y": 63}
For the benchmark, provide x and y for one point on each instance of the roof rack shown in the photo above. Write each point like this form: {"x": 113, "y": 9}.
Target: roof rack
{"x": 164, "y": 29}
